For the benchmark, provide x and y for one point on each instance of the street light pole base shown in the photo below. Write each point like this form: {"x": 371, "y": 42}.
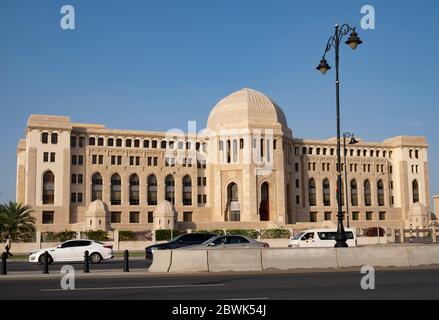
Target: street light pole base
{"x": 341, "y": 245}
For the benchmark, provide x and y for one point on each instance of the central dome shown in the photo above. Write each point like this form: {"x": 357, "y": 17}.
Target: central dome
{"x": 246, "y": 108}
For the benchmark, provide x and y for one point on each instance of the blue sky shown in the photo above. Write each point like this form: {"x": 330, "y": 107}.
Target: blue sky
{"x": 155, "y": 65}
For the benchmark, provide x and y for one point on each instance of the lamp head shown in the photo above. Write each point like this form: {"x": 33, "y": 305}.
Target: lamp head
{"x": 353, "y": 141}
{"x": 323, "y": 67}
{"x": 354, "y": 40}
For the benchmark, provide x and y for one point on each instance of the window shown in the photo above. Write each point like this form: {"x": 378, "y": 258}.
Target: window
{"x": 367, "y": 194}
{"x": 415, "y": 190}
{"x": 297, "y": 199}
{"x": 150, "y": 216}
{"x": 46, "y": 157}
{"x": 163, "y": 144}
{"x": 134, "y": 190}
{"x": 73, "y": 197}
{"x": 116, "y": 189}
{"x": 119, "y": 143}
{"x": 81, "y": 142}
{"x": 48, "y": 187}
{"x": 328, "y": 216}
{"x": 101, "y": 159}
{"x": 169, "y": 189}
{"x": 313, "y": 216}
{"x": 411, "y": 154}
{"x": 91, "y": 141}
{"x": 94, "y": 159}
{"x": 187, "y": 191}
{"x": 187, "y": 216}
{"x": 74, "y": 178}
{"x": 79, "y": 199}
{"x": 355, "y": 215}
{"x": 100, "y": 142}
{"x": 72, "y": 142}
{"x": 110, "y": 142}
{"x": 354, "y": 193}
{"x": 128, "y": 143}
{"x": 137, "y": 143}
{"x": 154, "y": 144}
{"x": 380, "y": 187}
{"x": 312, "y": 192}
{"x": 48, "y": 217}
{"x": 52, "y": 157}
{"x": 44, "y": 138}
{"x": 113, "y": 160}
{"x": 297, "y": 183}
{"x": 74, "y": 161}
{"x": 326, "y": 193}
{"x": 116, "y": 216}
{"x": 417, "y": 154}
{"x": 296, "y": 167}
{"x": 96, "y": 189}
{"x": 134, "y": 217}
{"x": 369, "y": 215}
{"x": 119, "y": 160}
{"x": 382, "y": 216}
{"x": 80, "y": 160}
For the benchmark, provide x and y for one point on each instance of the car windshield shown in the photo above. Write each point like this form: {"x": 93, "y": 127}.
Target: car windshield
{"x": 177, "y": 238}
{"x": 297, "y": 236}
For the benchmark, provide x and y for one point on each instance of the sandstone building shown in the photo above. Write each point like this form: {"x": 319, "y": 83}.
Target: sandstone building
{"x": 245, "y": 170}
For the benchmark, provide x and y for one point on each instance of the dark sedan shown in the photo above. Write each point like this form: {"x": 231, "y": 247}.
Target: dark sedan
{"x": 184, "y": 240}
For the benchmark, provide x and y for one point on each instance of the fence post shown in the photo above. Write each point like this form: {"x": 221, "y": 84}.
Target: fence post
{"x": 402, "y": 235}
{"x": 411, "y": 233}
{"x": 126, "y": 267}
{"x": 3, "y": 268}
{"x": 433, "y": 234}
{"x": 46, "y": 263}
{"x": 86, "y": 262}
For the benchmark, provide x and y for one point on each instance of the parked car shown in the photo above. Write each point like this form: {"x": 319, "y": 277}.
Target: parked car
{"x": 74, "y": 250}
{"x": 320, "y": 238}
{"x": 230, "y": 242}
{"x": 180, "y": 241}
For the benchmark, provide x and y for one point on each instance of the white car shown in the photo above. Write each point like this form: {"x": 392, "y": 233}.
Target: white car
{"x": 320, "y": 238}
{"x": 74, "y": 250}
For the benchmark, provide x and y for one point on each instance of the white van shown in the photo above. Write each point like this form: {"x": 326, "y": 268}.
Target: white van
{"x": 320, "y": 238}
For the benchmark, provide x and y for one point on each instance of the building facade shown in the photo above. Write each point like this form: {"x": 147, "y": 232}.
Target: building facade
{"x": 245, "y": 170}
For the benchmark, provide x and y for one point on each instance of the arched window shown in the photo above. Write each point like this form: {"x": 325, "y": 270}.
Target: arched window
{"x": 354, "y": 193}
{"x": 264, "y": 209}
{"x": 415, "y": 190}
{"x": 367, "y": 194}
{"x": 233, "y": 202}
{"x": 380, "y": 187}
{"x": 115, "y": 189}
{"x": 169, "y": 189}
{"x": 152, "y": 190}
{"x": 326, "y": 193}
{"x": 134, "y": 190}
{"x": 187, "y": 191}
{"x": 54, "y": 138}
{"x": 411, "y": 154}
{"x": 96, "y": 187}
{"x": 48, "y": 187}
{"x": 312, "y": 192}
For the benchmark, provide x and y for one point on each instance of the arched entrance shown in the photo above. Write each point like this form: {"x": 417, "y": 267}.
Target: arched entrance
{"x": 233, "y": 206}
{"x": 264, "y": 208}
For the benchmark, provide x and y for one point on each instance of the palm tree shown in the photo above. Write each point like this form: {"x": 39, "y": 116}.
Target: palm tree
{"x": 16, "y": 221}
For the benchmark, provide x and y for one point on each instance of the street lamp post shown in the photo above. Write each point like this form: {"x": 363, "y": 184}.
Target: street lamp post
{"x": 353, "y": 141}
{"x": 323, "y": 67}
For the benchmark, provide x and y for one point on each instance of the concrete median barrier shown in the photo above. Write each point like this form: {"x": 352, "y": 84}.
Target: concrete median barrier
{"x": 161, "y": 261}
{"x": 189, "y": 261}
{"x": 287, "y": 259}
{"x": 375, "y": 256}
{"x": 423, "y": 255}
{"x": 235, "y": 260}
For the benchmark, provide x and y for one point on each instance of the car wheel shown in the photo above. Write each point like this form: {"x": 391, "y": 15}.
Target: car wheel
{"x": 95, "y": 257}
{"x": 41, "y": 259}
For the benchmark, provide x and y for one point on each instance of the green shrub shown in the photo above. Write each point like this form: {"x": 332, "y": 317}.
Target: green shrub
{"x": 275, "y": 234}
{"x": 248, "y": 233}
{"x": 127, "y": 236}
{"x": 48, "y": 237}
{"x": 165, "y": 234}
{"x": 218, "y": 232}
{"x": 65, "y": 235}
{"x": 99, "y": 235}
